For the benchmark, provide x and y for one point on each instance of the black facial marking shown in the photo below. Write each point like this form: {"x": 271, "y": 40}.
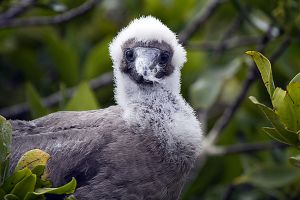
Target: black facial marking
{"x": 164, "y": 58}
{"x": 125, "y": 66}
{"x": 129, "y": 55}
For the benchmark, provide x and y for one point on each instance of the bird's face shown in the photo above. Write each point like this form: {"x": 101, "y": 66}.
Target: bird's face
{"x": 146, "y": 63}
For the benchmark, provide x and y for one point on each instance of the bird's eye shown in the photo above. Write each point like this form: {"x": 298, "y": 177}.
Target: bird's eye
{"x": 129, "y": 55}
{"x": 164, "y": 58}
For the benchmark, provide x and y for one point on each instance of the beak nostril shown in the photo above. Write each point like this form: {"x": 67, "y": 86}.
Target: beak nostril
{"x": 160, "y": 74}
{"x": 139, "y": 79}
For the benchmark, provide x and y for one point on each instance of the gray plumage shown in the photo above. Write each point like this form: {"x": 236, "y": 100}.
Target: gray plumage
{"x": 141, "y": 149}
{"x": 109, "y": 160}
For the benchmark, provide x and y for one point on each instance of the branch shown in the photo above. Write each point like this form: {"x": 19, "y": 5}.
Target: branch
{"x": 280, "y": 50}
{"x": 52, "y": 20}
{"x": 198, "y": 21}
{"x": 226, "y": 45}
{"x": 244, "y": 12}
{"x": 233, "y": 27}
{"x": 55, "y": 98}
{"x": 17, "y": 9}
{"x": 245, "y": 148}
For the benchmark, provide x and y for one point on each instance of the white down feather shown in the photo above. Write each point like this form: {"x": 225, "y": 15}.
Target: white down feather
{"x": 174, "y": 122}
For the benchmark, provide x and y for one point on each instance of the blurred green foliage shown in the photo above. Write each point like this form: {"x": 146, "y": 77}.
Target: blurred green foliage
{"x": 36, "y": 62}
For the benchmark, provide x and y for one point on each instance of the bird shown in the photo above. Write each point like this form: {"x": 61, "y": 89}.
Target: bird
{"x": 141, "y": 148}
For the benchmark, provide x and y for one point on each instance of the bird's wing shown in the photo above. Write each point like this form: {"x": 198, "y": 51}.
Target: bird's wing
{"x": 65, "y": 120}
{"x": 71, "y": 138}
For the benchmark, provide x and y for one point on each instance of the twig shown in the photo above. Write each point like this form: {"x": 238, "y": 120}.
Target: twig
{"x": 281, "y": 49}
{"x": 228, "y": 33}
{"x": 235, "y": 25}
{"x": 226, "y": 45}
{"x": 17, "y": 9}
{"x": 244, "y": 12}
{"x": 55, "y": 98}
{"x": 199, "y": 20}
{"x": 245, "y": 148}
{"x": 52, "y": 20}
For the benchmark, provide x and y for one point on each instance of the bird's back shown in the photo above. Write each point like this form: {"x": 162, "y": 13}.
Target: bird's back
{"x": 109, "y": 159}
{"x": 66, "y": 136}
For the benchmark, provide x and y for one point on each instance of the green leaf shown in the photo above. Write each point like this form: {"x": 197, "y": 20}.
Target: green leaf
{"x": 11, "y": 197}
{"x": 270, "y": 176}
{"x": 264, "y": 67}
{"x": 32, "y": 158}
{"x": 97, "y": 61}
{"x": 5, "y": 138}
{"x": 15, "y": 178}
{"x": 83, "y": 99}
{"x": 211, "y": 87}
{"x": 293, "y": 97}
{"x": 273, "y": 133}
{"x": 296, "y": 79}
{"x": 191, "y": 70}
{"x": 25, "y": 186}
{"x": 27, "y": 63}
{"x": 290, "y": 137}
{"x": 206, "y": 90}
{"x": 287, "y": 106}
{"x": 5, "y": 146}
{"x": 68, "y": 188}
{"x": 39, "y": 171}
{"x": 65, "y": 58}
{"x": 295, "y": 161}
{"x": 35, "y": 102}
{"x": 283, "y": 108}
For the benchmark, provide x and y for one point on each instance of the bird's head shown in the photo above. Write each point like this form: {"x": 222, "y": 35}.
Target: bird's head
{"x": 147, "y": 54}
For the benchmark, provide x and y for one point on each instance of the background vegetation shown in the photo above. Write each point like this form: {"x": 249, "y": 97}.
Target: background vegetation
{"x": 54, "y": 56}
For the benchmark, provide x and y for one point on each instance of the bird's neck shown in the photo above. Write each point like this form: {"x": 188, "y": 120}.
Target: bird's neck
{"x": 159, "y": 110}
{"x": 161, "y": 96}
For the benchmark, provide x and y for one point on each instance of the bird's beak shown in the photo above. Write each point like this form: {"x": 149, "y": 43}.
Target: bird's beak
{"x": 146, "y": 63}
{"x": 142, "y": 65}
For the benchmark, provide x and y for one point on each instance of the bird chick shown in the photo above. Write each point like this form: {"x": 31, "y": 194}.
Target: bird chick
{"x": 147, "y": 60}
{"x": 144, "y": 147}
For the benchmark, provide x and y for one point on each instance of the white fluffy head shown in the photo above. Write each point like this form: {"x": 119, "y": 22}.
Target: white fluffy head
{"x": 146, "y": 29}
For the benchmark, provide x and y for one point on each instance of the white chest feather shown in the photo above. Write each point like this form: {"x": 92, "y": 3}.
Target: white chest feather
{"x": 169, "y": 117}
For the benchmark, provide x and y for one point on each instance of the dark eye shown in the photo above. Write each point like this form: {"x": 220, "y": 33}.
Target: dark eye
{"x": 164, "y": 58}
{"x": 129, "y": 55}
